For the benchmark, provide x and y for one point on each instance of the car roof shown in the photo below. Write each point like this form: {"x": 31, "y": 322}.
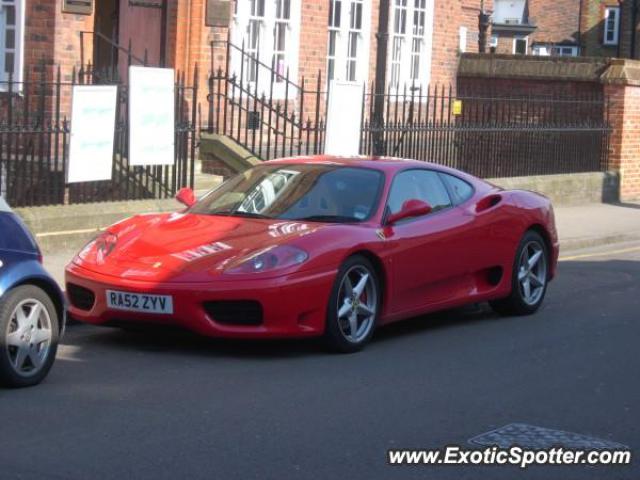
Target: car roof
{"x": 389, "y": 164}
{"x": 4, "y": 207}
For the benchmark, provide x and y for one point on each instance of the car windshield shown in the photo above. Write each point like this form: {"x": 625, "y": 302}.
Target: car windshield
{"x": 322, "y": 193}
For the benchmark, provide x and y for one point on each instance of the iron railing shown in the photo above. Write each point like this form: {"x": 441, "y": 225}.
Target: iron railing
{"x": 34, "y": 143}
{"x": 492, "y": 136}
{"x": 262, "y": 108}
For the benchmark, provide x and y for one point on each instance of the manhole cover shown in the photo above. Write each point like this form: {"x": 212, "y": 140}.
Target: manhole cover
{"x": 530, "y": 436}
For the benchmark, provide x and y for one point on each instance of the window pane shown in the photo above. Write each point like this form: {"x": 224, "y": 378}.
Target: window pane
{"x": 10, "y": 38}
{"x": 461, "y": 189}
{"x": 422, "y": 185}
{"x": 353, "y": 44}
{"x": 9, "y": 59}
{"x": 256, "y": 8}
{"x": 351, "y": 70}
{"x": 296, "y": 192}
{"x": 333, "y": 36}
{"x": 280, "y": 37}
{"x": 283, "y": 9}
{"x": 356, "y": 15}
{"x": 415, "y": 59}
{"x": 11, "y": 14}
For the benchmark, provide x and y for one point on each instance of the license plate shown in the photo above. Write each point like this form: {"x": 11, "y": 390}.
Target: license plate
{"x": 140, "y": 302}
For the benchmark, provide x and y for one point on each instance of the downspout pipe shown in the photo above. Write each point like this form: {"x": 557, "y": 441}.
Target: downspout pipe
{"x": 634, "y": 26}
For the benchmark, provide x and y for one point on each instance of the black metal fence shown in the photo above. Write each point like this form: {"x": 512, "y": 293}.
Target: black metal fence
{"x": 491, "y": 136}
{"x": 263, "y": 109}
{"x": 34, "y": 144}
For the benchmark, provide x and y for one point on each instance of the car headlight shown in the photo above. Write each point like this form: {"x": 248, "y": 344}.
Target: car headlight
{"x": 99, "y": 248}
{"x": 272, "y": 258}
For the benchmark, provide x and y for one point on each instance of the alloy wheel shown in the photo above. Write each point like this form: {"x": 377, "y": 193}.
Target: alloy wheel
{"x": 28, "y": 337}
{"x": 357, "y": 303}
{"x": 532, "y": 273}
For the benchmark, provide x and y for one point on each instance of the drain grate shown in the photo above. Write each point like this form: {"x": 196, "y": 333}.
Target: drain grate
{"x": 530, "y": 436}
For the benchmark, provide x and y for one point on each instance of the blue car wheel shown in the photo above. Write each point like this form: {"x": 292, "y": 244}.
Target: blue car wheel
{"x": 29, "y": 332}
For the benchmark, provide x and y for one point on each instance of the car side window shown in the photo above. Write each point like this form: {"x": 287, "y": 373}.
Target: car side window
{"x": 418, "y": 184}
{"x": 461, "y": 190}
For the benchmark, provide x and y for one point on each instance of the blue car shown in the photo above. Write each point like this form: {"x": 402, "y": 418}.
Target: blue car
{"x": 32, "y": 309}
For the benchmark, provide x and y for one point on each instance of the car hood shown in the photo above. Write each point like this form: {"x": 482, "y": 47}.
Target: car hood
{"x": 184, "y": 247}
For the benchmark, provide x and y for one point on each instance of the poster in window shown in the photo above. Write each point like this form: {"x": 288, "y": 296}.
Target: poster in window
{"x": 151, "y": 116}
{"x": 93, "y": 119}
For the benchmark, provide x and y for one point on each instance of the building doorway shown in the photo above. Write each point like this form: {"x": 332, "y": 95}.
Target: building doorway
{"x": 105, "y": 27}
{"x": 140, "y": 24}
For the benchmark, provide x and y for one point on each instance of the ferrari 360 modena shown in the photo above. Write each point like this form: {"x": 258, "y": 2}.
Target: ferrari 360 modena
{"x": 320, "y": 246}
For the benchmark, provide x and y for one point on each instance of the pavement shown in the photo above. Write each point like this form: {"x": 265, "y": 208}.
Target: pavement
{"x": 597, "y": 224}
{"x": 163, "y": 405}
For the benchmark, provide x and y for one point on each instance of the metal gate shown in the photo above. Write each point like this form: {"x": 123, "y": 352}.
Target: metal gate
{"x": 34, "y": 141}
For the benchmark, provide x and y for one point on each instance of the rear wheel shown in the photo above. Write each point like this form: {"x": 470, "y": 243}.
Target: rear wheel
{"x": 529, "y": 278}
{"x": 354, "y": 306}
{"x": 28, "y": 336}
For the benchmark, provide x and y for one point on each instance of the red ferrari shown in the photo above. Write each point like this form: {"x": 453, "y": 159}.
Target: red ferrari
{"x": 320, "y": 246}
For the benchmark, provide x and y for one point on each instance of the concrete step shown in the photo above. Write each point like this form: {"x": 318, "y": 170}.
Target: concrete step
{"x": 204, "y": 182}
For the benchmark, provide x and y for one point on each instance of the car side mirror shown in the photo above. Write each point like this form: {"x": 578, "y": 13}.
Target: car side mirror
{"x": 410, "y": 209}
{"x": 186, "y": 197}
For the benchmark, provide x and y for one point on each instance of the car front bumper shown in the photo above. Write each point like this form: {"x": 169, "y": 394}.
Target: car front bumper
{"x": 292, "y": 305}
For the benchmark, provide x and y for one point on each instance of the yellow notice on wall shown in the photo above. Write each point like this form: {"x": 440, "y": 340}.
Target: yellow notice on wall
{"x": 457, "y": 107}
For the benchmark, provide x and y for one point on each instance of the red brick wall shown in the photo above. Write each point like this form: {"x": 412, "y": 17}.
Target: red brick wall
{"x": 524, "y": 87}
{"x": 39, "y": 33}
{"x": 624, "y": 116}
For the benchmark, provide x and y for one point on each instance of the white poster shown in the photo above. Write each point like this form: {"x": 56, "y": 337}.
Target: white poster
{"x": 343, "y": 119}
{"x": 151, "y": 116}
{"x": 93, "y": 124}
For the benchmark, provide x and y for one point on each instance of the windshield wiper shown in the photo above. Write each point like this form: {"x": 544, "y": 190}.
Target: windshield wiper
{"x": 327, "y": 218}
{"x": 240, "y": 214}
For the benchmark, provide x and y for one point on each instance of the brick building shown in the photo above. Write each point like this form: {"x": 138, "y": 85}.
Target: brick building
{"x": 536, "y": 27}
{"x": 334, "y": 37}
{"x": 610, "y": 28}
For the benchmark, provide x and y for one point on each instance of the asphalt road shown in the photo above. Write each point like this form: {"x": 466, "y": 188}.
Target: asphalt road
{"x": 123, "y": 405}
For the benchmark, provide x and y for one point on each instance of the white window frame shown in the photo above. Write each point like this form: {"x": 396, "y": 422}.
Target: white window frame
{"x": 346, "y": 67}
{"x": 403, "y": 42}
{"x": 265, "y": 49}
{"x": 18, "y": 50}
{"x": 493, "y": 41}
{"x": 542, "y": 51}
{"x": 616, "y": 26}
{"x": 561, "y": 51}
{"x": 550, "y": 50}
{"x": 518, "y": 38}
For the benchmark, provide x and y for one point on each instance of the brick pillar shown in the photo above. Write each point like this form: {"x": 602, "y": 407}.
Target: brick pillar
{"x": 622, "y": 86}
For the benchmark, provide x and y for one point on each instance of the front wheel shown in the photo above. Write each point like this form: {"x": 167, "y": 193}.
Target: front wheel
{"x": 29, "y": 330}
{"x": 354, "y": 306}
{"x": 529, "y": 278}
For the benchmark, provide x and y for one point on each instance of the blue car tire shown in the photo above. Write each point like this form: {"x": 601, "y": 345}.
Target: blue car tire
{"x": 29, "y": 333}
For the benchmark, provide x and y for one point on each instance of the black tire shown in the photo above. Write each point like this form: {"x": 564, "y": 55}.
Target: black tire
{"x": 515, "y": 304}
{"x": 9, "y": 377}
{"x": 334, "y": 336}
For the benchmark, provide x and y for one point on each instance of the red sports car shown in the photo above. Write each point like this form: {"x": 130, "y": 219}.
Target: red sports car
{"x": 320, "y": 246}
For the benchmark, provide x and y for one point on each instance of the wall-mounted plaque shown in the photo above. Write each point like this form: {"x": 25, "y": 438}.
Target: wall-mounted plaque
{"x": 79, "y": 7}
{"x": 218, "y": 13}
